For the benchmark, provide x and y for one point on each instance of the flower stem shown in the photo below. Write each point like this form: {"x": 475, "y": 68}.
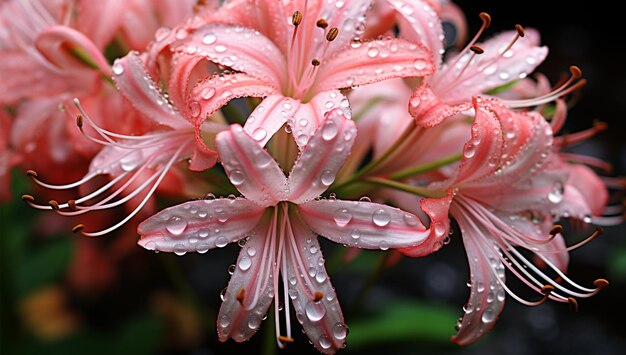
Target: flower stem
{"x": 415, "y": 190}
{"x": 420, "y": 169}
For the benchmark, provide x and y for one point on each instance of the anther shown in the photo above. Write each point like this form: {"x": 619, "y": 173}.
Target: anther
{"x": 573, "y": 304}
{"x": 285, "y": 339}
{"x": 520, "y": 30}
{"x": 54, "y": 205}
{"x": 332, "y": 34}
{"x": 547, "y": 289}
{"x": 477, "y": 49}
{"x": 72, "y": 204}
{"x": 315, "y": 62}
{"x": 240, "y": 296}
{"x": 599, "y": 126}
{"x": 296, "y": 19}
{"x": 576, "y": 72}
{"x": 486, "y": 18}
{"x": 78, "y": 228}
{"x": 556, "y": 229}
{"x": 321, "y": 23}
{"x": 28, "y": 198}
{"x": 318, "y": 296}
{"x": 31, "y": 173}
{"x": 79, "y": 121}
{"x": 601, "y": 283}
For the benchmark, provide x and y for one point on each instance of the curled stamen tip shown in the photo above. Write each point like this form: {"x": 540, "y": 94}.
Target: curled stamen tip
{"x": 573, "y": 304}
{"x": 315, "y": 62}
{"x": 599, "y": 125}
{"x": 76, "y": 101}
{"x": 285, "y": 339}
{"x": 240, "y": 296}
{"x": 54, "y": 204}
{"x": 72, "y": 204}
{"x": 79, "y": 121}
{"x": 318, "y": 296}
{"x": 28, "y": 198}
{"x": 546, "y": 289}
{"x": 486, "y": 18}
{"x": 332, "y": 34}
{"x": 601, "y": 283}
{"x": 520, "y": 30}
{"x": 321, "y": 23}
{"x": 296, "y": 19}
{"x": 556, "y": 229}
{"x": 576, "y": 72}
{"x": 477, "y": 49}
{"x": 31, "y": 173}
{"x": 78, "y": 228}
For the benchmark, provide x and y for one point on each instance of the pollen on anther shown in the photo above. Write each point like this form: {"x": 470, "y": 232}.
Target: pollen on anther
{"x": 546, "y": 289}
{"x": 54, "y": 204}
{"x": 318, "y": 296}
{"x": 296, "y": 19}
{"x": 72, "y": 204}
{"x": 240, "y": 296}
{"x": 573, "y": 304}
{"x": 315, "y": 62}
{"x": 79, "y": 121}
{"x": 78, "y": 228}
{"x": 477, "y": 49}
{"x": 285, "y": 339}
{"x": 31, "y": 173}
{"x": 520, "y": 30}
{"x": 332, "y": 34}
{"x": 486, "y": 18}
{"x": 556, "y": 229}
{"x": 576, "y": 72}
{"x": 601, "y": 283}
{"x": 321, "y": 23}
{"x": 28, "y": 198}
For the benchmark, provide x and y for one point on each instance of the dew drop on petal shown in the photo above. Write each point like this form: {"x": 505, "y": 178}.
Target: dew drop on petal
{"x": 324, "y": 342}
{"x": 231, "y": 269}
{"x": 176, "y": 225}
{"x": 383, "y": 245}
{"x": 329, "y": 131}
{"x": 420, "y": 64}
{"x": 221, "y": 242}
{"x": 365, "y": 199}
{"x": 209, "y": 38}
{"x": 254, "y": 323}
{"x": 207, "y": 93}
{"x": 180, "y": 250}
{"x": 488, "y": 316}
{"x": 302, "y": 139}
{"x": 469, "y": 151}
{"x": 411, "y": 219}
{"x": 381, "y": 218}
{"x": 342, "y": 217}
{"x": 161, "y": 33}
{"x": 556, "y": 194}
{"x": 340, "y": 331}
{"x": 194, "y": 108}
{"x": 202, "y": 247}
{"x": 355, "y": 234}
{"x": 251, "y": 251}
{"x": 372, "y": 52}
{"x": 259, "y": 134}
{"x": 117, "y": 68}
{"x": 245, "y": 263}
{"x": 320, "y": 277}
{"x": 327, "y": 177}
{"x": 315, "y": 311}
{"x": 220, "y": 48}
{"x": 237, "y": 177}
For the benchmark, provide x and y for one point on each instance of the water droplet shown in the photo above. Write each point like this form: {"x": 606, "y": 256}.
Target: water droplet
{"x": 381, "y": 218}
{"x": 313, "y": 249}
{"x": 209, "y": 38}
{"x": 372, "y": 52}
{"x": 161, "y": 33}
{"x": 315, "y": 311}
{"x": 180, "y": 250}
{"x": 488, "y": 316}
{"x": 320, "y": 277}
{"x": 231, "y": 269}
{"x": 245, "y": 263}
{"x": 383, "y": 245}
{"x": 587, "y": 218}
{"x": 251, "y": 251}
{"x": 176, "y": 225}
{"x": 226, "y": 94}
{"x": 207, "y": 93}
{"x": 480, "y": 287}
{"x": 324, "y": 341}
{"x": 302, "y": 139}
{"x": 221, "y": 242}
{"x": 420, "y": 64}
{"x": 203, "y": 247}
{"x": 365, "y": 199}
{"x": 411, "y": 219}
{"x": 556, "y": 194}
{"x": 342, "y": 217}
{"x": 117, "y": 68}
{"x": 469, "y": 151}
{"x": 254, "y": 323}
{"x": 355, "y": 234}
{"x": 194, "y": 108}
{"x": 327, "y": 177}
{"x": 237, "y": 177}
{"x": 340, "y": 331}
{"x": 259, "y": 134}
{"x": 224, "y": 321}
{"x": 220, "y": 48}
{"x": 504, "y": 75}
{"x": 181, "y": 33}
{"x": 329, "y": 131}
{"x": 500, "y": 295}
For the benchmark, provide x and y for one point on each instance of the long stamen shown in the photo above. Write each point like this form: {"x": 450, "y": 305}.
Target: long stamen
{"x": 566, "y": 88}
{"x": 279, "y": 256}
{"x": 267, "y": 250}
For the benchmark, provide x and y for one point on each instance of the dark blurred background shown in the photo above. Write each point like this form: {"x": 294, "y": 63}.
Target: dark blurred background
{"x": 146, "y": 303}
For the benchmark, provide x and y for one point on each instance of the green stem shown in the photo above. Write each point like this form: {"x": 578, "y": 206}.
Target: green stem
{"x": 420, "y": 191}
{"x": 370, "y": 104}
{"x": 420, "y": 169}
{"x": 268, "y": 346}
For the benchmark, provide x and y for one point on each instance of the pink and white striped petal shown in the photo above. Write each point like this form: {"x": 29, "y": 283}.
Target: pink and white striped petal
{"x": 427, "y": 108}
{"x": 197, "y": 226}
{"x": 271, "y": 114}
{"x": 250, "y": 290}
{"x": 315, "y": 169}
{"x": 136, "y": 85}
{"x": 312, "y": 295}
{"x": 242, "y": 49}
{"x": 310, "y": 115}
{"x": 363, "y": 224}
{"x": 439, "y": 229}
{"x": 252, "y": 170}
{"x": 374, "y": 61}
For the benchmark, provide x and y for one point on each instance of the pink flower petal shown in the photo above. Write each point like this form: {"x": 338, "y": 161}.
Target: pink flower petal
{"x": 428, "y": 110}
{"x": 420, "y": 23}
{"x": 139, "y": 89}
{"x": 310, "y": 115}
{"x": 271, "y": 114}
{"x": 372, "y": 62}
{"x": 252, "y": 170}
{"x": 240, "y": 48}
{"x": 199, "y": 225}
{"x": 363, "y": 224}
{"x": 439, "y": 228}
{"x": 486, "y": 295}
{"x": 179, "y": 85}
{"x": 592, "y": 192}
{"x": 100, "y": 20}
{"x": 347, "y": 15}
{"x": 316, "y": 168}
{"x": 212, "y": 93}
{"x": 250, "y": 290}
{"x": 313, "y": 296}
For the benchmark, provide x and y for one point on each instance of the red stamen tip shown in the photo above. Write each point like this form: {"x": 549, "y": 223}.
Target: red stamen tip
{"x": 31, "y": 173}
{"x": 54, "y": 204}
{"x": 556, "y": 229}
{"x": 240, "y": 296}
{"x": 601, "y": 283}
{"x": 486, "y": 18}
{"x": 546, "y": 289}
{"x": 78, "y": 228}
{"x": 520, "y": 30}
{"x": 573, "y": 304}
{"x": 318, "y": 296}
{"x": 28, "y": 198}
{"x": 576, "y": 72}
{"x": 477, "y": 49}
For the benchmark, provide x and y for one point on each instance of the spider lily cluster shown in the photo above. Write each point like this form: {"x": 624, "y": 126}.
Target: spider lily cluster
{"x": 291, "y": 112}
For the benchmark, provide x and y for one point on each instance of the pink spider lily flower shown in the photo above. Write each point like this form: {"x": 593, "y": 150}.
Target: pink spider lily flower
{"x": 135, "y": 163}
{"x": 508, "y": 185}
{"x": 298, "y": 65}
{"x": 279, "y": 219}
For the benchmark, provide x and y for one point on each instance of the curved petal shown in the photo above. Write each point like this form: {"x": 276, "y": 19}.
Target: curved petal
{"x": 142, "y": 92}
{"x": 250, "y": 290}
{"x": 487, "y": 294}
{"x": 178, "y": 85}
{"x": 310, "y": 115}
{"x": 199, "y": 225}
{"x": 437, "y": 210}
{"x": 214, "y": 92}
{"x": 420, "y": 23}
{"x": 100, "y": 20}
{"x": 372, "y": 62}
{"x": 312, "y": 295}
{"x": 61, "y": 45}
{"x": 428, "y": 110}
{"x": 240, "y": 48}
{"x": 252, "y": 170}
{"x": 270, "y": 116}
{"x": 316, "y": 168}
{"x": 363, "y": 224}
{"x": 348, "y": 16}
{"x": 585, "y": 188}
